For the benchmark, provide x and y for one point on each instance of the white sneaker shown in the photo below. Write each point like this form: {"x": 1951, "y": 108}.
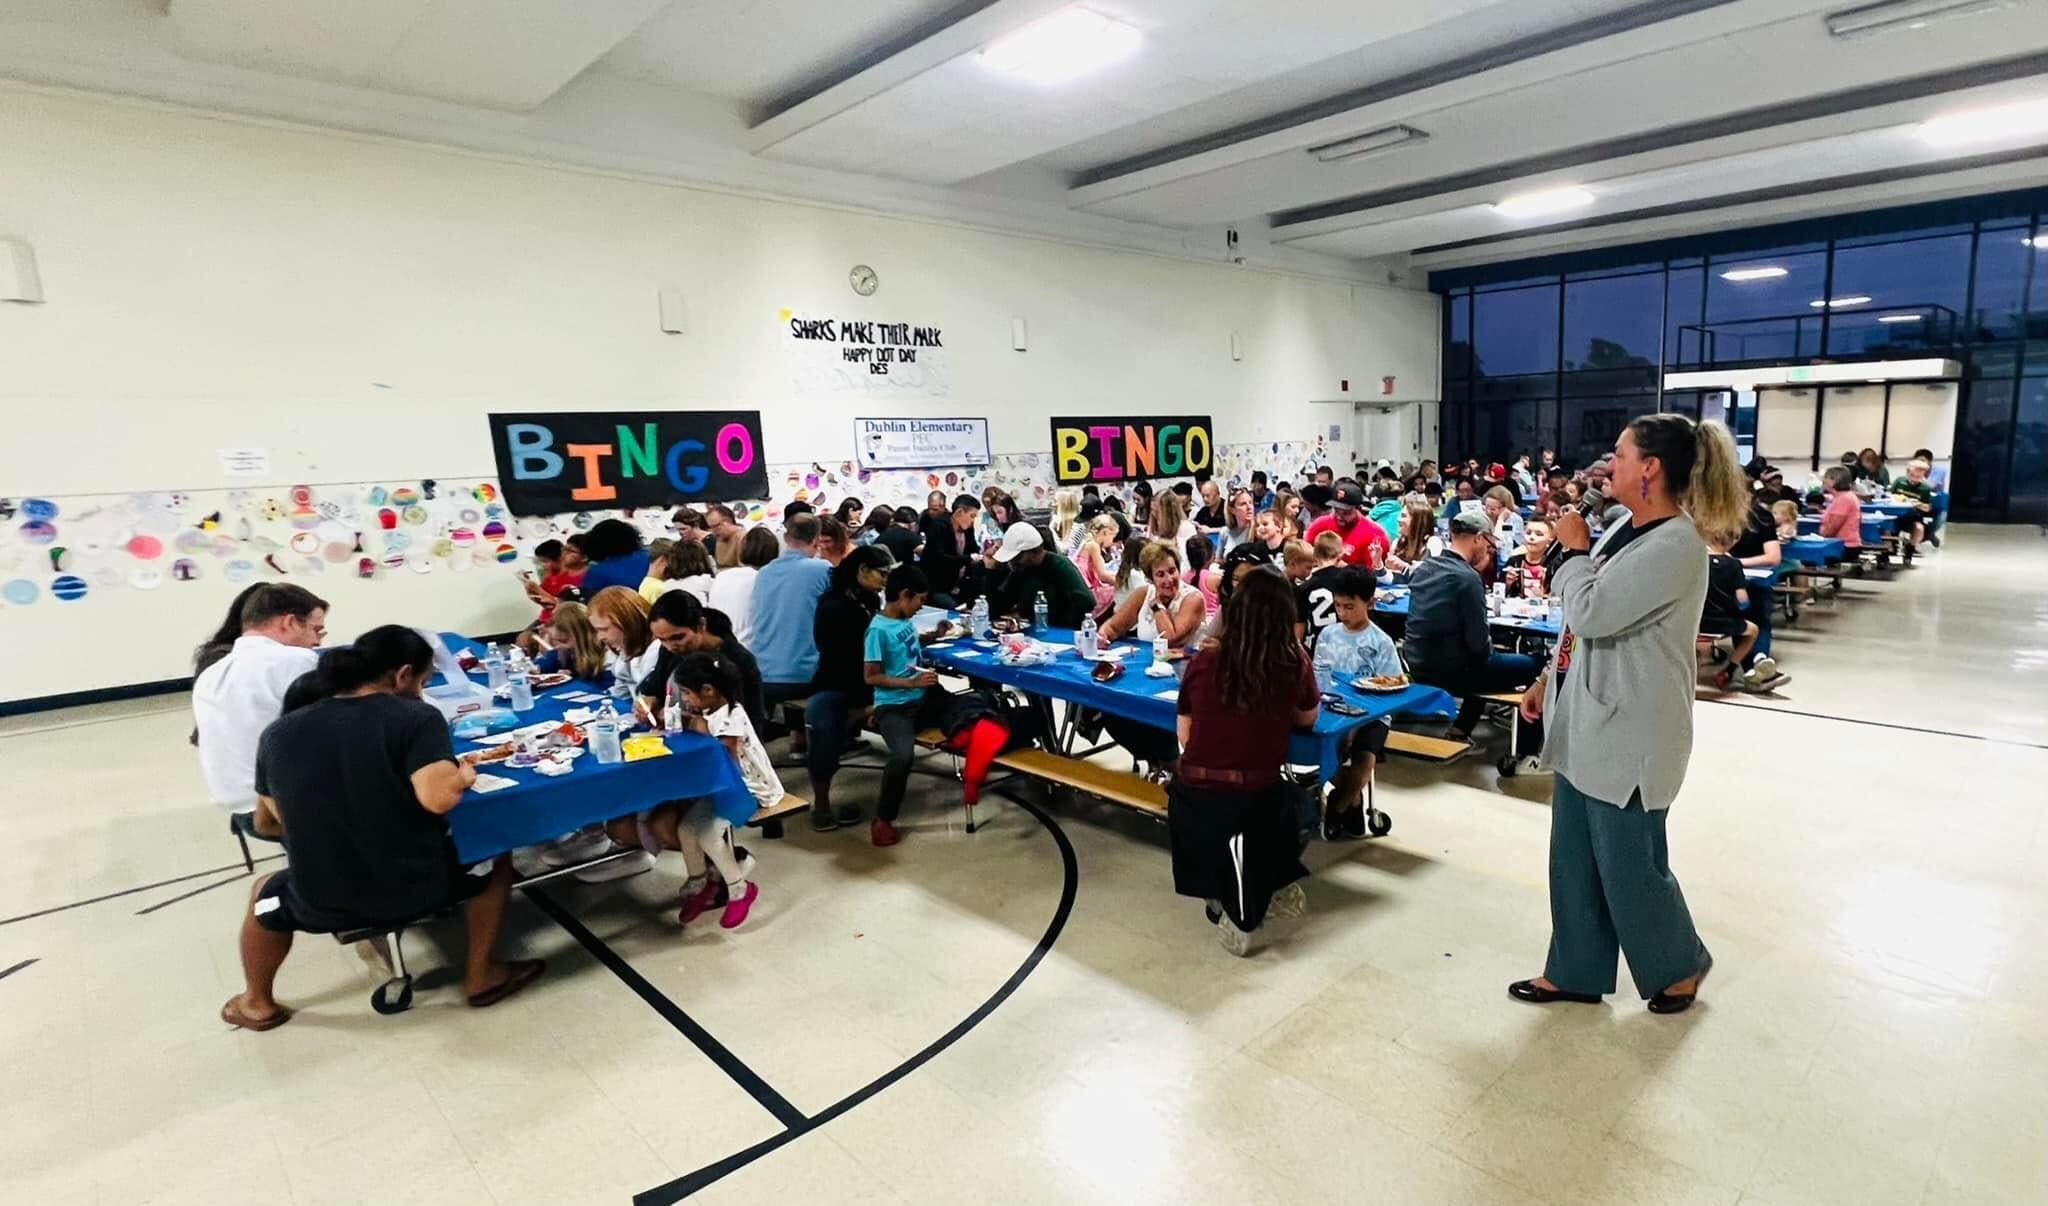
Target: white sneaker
{"x": 1237, "y": 942}
{"x": 1288, "y": 903}
{"x": 1764, "y": 670}
{"x": 578, "y": 847}
{"x": 1530, "y": 764}
{"x": 637, "y": 863}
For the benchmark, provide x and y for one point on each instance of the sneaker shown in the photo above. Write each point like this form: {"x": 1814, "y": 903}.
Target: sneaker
{"x": 1530, "y": 764}
{"x": 1237, "y": 942}
{"x": 1344, "y": 826}
{"x": 1761, "y": 670}
{"x": 573, "y": 848}
{"x": 822, "y": 820}
{"x": 882, "y": 833}
{"x": 1766, "y": 686}
{"x": 694, "y": 903}
{"x": 847, "y": 814}
{"x": 1289, "y": 902}
{"x": 637, "y": 863}
{"x": 1213, "y": 910}
{"x": 736, "y": 911}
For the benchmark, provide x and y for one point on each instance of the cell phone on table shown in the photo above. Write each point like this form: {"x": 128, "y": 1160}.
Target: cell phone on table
{"x": 1341, "y": 706}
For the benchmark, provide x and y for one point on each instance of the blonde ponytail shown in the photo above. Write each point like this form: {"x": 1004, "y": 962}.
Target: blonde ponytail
{"x": 1717, "y": 496}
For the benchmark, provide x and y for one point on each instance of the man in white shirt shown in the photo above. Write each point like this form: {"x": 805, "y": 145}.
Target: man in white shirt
{"x": 234, "y": 699}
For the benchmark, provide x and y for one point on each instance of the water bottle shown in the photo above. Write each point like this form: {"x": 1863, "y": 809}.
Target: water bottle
{"x": 604, "y": 736}
{"x": 979, "y": 620}
{"x": 1040, "y": 614}
{"x": 521, "y": 688}
{"x": 1160, "y": 648}
{"x": 494, "y": 666}
{"x": 672, "y": 712}
{"x": 1087, "y": 640}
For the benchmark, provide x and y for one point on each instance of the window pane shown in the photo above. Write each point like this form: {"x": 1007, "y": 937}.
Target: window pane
{"x": 1516, "y": 331}
{"x": 1983, "y": 442}
{"x": 2030, "y": 454}
{"x": 1503, "y": 432}
{"x": 2003, "y": 257}
{"x": 1615, "y": 322}
{"x": 1684, "y": 302}
{"x": 1458, "y": 348}
{"x": 1764, "y": 317}
{"x": 1591, "y": 425}
{"x": 1920, "y": 286}
{"x": 1901, "y": 236}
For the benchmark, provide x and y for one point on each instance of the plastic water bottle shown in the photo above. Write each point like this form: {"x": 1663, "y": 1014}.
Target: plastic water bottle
{"x": 494, "y": 666}
{"x": 1087, "y": 640}
{"x": 979, "y": 621}
{"x": 604, "y": 736}
{"x": 1040, "y": 614}
{"x": 672, "y": 712}
{"x": 1160, "y": 648}
{"x": 521, "y": 688}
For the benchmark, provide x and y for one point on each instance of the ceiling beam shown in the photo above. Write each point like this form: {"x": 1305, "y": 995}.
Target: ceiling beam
{"x": 965, "y": 27}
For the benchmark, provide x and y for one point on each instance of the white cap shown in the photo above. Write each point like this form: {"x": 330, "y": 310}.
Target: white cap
{"x": 1021, "y": 538}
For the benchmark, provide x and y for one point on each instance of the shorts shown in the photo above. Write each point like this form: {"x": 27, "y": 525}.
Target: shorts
{"x": 278, "y": 909}
{"x": 1724, "y": 626}
{"x": 1368, "y": 739}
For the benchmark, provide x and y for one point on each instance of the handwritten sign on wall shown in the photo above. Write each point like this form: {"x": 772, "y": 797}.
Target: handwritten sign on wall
{"x": 856, "y": 354}
{"x": 1103, "y": 448}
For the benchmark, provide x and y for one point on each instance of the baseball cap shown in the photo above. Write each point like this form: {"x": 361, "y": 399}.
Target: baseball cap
{"x": 1317, "y": 495}
{"x": 1020, "y": 538}
{"x": 1496, "y": 472}
{"x": 1347, "y": 495}
{"x": 1471, "y": 523}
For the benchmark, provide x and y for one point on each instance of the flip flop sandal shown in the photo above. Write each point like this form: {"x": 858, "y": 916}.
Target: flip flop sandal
{"x": 524, "y": 972}
{"x": 232, "y": 1014}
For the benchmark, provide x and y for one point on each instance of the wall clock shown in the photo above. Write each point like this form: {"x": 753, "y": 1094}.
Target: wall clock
{"x": 863, "y": 280}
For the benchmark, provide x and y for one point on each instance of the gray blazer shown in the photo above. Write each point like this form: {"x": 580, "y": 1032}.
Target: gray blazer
{"x": 1621, "y": 721}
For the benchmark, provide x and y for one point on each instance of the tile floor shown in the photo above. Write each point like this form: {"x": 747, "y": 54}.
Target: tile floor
{"x": 1873, "y": 1033}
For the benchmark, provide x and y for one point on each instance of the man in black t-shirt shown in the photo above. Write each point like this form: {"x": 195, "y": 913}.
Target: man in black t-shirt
{"x": 361, "y": 781}
{"x": 1728, "y": 595}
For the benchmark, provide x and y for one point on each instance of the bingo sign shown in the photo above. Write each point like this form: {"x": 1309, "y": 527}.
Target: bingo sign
{"x": 604, "y": 460}
{"x": 1103, "y": 449}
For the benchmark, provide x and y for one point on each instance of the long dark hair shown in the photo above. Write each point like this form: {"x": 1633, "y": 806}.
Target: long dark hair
{"x": 1259, "y": 657}
{"x": 223, "y": 639}
{"x": 846, "y": 575}
{"x": 685, "y": 610}
{"x": 609, "y": 538}
{"x": 375, "y": 656}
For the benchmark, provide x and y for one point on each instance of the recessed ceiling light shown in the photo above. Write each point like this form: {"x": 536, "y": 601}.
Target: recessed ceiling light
{"x": 1836, "y": 303}
{"x": 1894, "y": 15}
{"x": 1986, "y": 125}
{"x": 1898, "y": 318}
{"x": 1542, "y": 204}
{"x": 1753, "y": 274}
{"x": 1064, "y": 46}
{"x": 1367, "y": 144}
{"x": 2041, "y": 242}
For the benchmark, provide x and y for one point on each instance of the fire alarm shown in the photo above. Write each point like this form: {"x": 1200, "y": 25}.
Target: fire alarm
{"x": 1386, "y": 387}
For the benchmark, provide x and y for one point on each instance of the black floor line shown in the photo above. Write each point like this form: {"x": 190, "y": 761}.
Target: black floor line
{"x": 683, "y": 1186}
{"x": 162, "y": 883}
{"x": 1881, "y": 724}
{"x": 147, "y": 910}
{"x": 746, "y": 1078}
{"x": 17, "y": 967}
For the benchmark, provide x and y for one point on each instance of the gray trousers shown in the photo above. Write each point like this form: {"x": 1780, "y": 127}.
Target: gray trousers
{"x": 1612, "y": 892}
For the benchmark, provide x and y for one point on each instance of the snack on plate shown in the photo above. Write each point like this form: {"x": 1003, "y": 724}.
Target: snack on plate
{"x": 546, "y": 682}
{"x": 497, "y": 753}
{"x": 1382, "y": 682}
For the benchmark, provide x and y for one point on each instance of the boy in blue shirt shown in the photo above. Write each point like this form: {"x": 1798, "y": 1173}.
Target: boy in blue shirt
{"x": 894, "y": 666}
{"x": 1353, "y": 648}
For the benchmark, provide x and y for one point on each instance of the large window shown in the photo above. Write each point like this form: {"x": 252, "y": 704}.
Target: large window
{"x": 1562, "y": 352}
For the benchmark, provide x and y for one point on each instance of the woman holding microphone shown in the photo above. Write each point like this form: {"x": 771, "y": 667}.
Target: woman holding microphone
{"x": 1616, "y": 701}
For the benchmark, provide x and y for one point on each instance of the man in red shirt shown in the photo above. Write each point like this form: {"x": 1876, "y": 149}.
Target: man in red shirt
{"x": 1365, "y": 542}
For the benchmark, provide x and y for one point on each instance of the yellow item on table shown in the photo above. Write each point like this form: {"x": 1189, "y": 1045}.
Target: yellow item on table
{"x": 643, "y": 745}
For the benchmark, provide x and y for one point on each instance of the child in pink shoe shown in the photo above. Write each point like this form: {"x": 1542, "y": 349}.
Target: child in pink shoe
{"x": 710, "y": 686}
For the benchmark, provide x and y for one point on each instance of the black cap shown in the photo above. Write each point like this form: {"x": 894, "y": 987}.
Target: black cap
{"x": 1316, "y": 494}
{"x": 1346, "y": 495}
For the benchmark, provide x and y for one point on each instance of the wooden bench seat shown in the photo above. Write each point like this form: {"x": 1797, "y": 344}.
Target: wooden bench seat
{"x": 769, "y": 820}
{"x": 1118, "y": 787}
{"x": 1504, "y": 697}
{"x": 1426, "y": 748}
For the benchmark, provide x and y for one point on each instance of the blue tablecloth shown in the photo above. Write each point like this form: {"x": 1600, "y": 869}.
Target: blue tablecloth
{"x": 1814, "y": 550}
{"x": 1152, "y": 701}
{"x": 1394, "y": 602}
{"x": 1889, "y": 507}
{"x": 1872, "y": 528}
{"x": 487, "y": 824}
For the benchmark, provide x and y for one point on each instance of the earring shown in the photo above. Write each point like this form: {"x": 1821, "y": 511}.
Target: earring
{"x": 1644, "y": 489}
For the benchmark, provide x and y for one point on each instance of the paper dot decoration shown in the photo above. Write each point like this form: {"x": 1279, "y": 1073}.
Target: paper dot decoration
{"x": 310, "y": 565}
{"x": 8, "y": 510}
{"x": 62, "y": 559}
{"x": 329, "y": 509}
{"x": 394, "y": 561}
{"x": 39, "y": 509}
{"x": 404, "y": 496}
{"x": 494, "y": 531}
{"x": 20, "y": 592}
{"x": 302, "y": 496}
{"x": 338, "y": 552}
{"x": 331, "y": 532}
{"x": 470, "y": 515}
{"x": 484, "y": 492}
{"x": 305, "y": 542}
{"x": 276, "y": 566}
{"x": 462, "y": 537}
{"x": 952, "y": 479}
{"x": 419, "y": 563}
{"x": 184, "y": 569}
{"x": 68, "y": 587}
{"x": 415, "y": 515}
{"x": 397, "y": 541}
{"x": 366, "y": 568}
{"x": 271, "y": 509}
{"x": 507, "y": 554}
{"x": 377, "y": 496}
{"x": 145, "y": 547}
{"x": 38, "y": 531}
{"x": 305, "y": 521}
{"x": 443, "y": 547}
{"x": 107, "y": 577}
{"x": 146, "y": 577}
{"x": 582, "y": 521}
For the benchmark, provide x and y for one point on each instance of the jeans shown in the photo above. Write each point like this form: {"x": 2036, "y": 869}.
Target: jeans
{"x": 898, "y": 727}
{"x": 1502, "y": 672}
{"x": 1612, "y": 892}
{"x": 773, "y": 696}
{"x": 829, "y": 716}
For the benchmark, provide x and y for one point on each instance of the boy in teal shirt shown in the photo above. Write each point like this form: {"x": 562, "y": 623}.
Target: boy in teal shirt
{"x": 894, "y": 657}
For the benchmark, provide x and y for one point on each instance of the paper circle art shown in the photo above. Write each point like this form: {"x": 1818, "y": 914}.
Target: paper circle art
{"x": 238, "y": 570}
{"x": 404, "y": 496}
{"x": 146, "y": 577}
{"x": 39, "y": 509}
{"x": 68, "y": 587}
{"x": 38, "y": 531}
{"x": 184, "y": 569}
{"x": 20, "y": 592}
{"x": 507, "y": 554}
{"x": 145, "y": 547}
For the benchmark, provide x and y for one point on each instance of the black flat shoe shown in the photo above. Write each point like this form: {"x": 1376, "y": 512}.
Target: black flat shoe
{"x": 1528, "y": 990}
{"x": 1665, "y": 1002}
{"x": 244, "y": 823}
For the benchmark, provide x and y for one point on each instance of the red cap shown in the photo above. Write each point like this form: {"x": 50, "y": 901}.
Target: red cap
{"x": 1496, "y": 472}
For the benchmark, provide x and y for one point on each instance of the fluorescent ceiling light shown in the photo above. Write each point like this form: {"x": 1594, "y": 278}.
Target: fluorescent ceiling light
{"x": 1367, "y": 144}
{"x": 1836, "y": 303}
{"x": 1995, "y": 124}
{"x": 1891, "y": 16}
{"x": 1543, "y": 204}
{"x": 2030, "y": 241}
{"x": 1898, "y": 318}
{"x": 1752, "y": 274}
{"x": 1064, "y": 46}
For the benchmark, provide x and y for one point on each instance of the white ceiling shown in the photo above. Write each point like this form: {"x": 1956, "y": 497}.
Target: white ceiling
{"x": 1678, "y": 114}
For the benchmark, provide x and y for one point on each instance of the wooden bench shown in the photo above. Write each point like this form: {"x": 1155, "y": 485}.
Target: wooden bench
{"x": 769, "y": 820}
{"x": 1428, "y": 749}
{"x": 1118, "y": 787}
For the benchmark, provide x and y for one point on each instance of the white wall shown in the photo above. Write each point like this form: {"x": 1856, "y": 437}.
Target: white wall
{"x": 356, "y": 306}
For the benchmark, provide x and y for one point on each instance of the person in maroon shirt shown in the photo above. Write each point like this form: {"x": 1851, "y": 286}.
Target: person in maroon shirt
{"x": 1235, "y": 820}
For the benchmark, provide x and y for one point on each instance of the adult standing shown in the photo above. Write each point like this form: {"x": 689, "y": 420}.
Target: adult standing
{"x": 243, "y": 691}
{"x": 785, "y": 604}
{"x": 1617, "y": 702}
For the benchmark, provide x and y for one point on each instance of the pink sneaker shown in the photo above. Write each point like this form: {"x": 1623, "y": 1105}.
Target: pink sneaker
{"x": 696, "y": 902}
{"x": 736, "y": 911}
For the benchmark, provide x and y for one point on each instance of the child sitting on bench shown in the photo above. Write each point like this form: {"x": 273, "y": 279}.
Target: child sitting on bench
{"x": 1354, "y": 647}
{"x": 1721, "y": 616}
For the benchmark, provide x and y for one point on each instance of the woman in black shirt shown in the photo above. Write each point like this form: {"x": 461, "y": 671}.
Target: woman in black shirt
{"x": 840, "y": 695}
